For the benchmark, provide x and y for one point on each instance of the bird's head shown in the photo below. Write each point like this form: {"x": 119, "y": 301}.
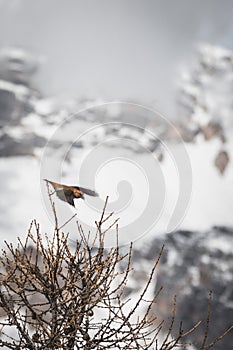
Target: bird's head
{"x": 78, "y": 194}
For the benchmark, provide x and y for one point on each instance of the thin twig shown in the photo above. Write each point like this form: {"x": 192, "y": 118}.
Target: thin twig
{"x": 67, "y": 222}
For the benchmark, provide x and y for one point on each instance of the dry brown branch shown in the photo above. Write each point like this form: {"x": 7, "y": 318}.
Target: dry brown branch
{"x": 56, "y": 296}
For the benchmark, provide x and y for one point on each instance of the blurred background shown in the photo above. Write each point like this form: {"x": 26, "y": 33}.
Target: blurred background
{"x": 117, "y": 62}
{"x": 114, "y": 50}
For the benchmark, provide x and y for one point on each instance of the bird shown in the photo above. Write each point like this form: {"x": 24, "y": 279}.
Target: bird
{"x": 69, "y": 193}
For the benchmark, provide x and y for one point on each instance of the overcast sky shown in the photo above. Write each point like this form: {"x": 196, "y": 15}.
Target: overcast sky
{"x": 115, "y": 49}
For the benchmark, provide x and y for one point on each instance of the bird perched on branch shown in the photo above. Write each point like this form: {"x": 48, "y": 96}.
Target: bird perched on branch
{"x": 69, "y": 193}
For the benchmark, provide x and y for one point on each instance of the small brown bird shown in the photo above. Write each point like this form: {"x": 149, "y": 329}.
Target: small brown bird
{"x": 69, "y": 193}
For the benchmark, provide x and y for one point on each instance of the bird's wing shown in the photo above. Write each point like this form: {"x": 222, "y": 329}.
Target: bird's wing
{"x": 88, "y": 191}
{"x": 66, "y": 196}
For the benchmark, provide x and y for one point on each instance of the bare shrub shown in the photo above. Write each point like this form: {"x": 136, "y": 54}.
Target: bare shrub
{"x": 55, "y": 296}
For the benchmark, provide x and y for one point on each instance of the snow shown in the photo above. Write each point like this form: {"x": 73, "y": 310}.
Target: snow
{"x": 46, "y": 106}
{"x": 20, "y": 202}
{"x": 17, "y": 133}
{"x": 212, "y": 198}
{"x": 142, "y": 191}
{"x": 217, "y": 243}
{"x": 211, "y": 202}
{"x": 34, "y": 123}
{"x": 207, "y": 88}
{"x": 19, "y": 90}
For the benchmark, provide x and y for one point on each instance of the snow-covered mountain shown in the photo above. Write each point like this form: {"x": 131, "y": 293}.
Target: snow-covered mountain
{"x": 205, "y": 99}
{"x": 193, "y": 264}
{"x": 72, "y": 129}
{"x": 131, "y": 152}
